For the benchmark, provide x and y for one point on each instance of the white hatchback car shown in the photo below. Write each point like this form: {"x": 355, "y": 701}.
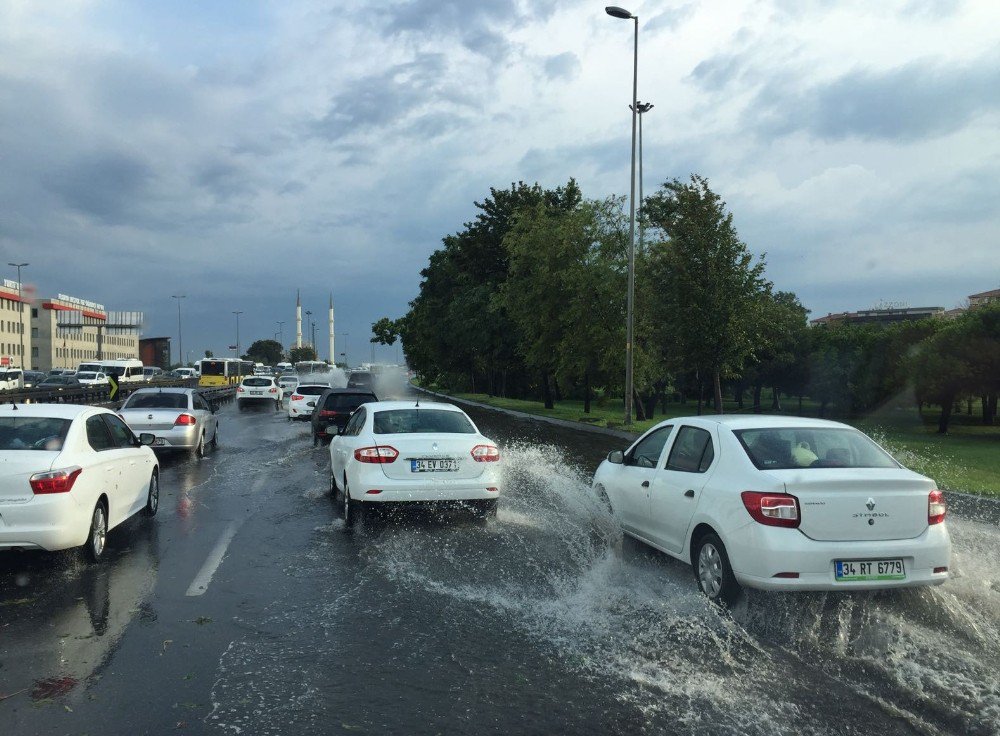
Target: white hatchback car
{"x": 302, "y": 399}
{"x": 258, "y": 389}
{"x": 778, "y": 503}
{"x": 418, "y": 452}
{"x": 69, "y": 474}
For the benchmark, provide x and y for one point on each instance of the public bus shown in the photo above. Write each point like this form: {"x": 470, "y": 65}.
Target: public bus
{"x": 305, "y": 367}
{"x": 224, "y": 371}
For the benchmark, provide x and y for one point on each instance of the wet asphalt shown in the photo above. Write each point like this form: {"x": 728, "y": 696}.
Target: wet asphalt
{"x": 541, "y": 621}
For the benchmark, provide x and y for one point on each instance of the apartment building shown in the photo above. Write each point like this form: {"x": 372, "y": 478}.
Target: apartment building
{"x": 66, "y": 331}
{"x": 15, "y": 332}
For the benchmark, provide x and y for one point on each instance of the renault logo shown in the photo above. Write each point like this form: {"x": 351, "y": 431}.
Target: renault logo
{"x": 871, "y": 504}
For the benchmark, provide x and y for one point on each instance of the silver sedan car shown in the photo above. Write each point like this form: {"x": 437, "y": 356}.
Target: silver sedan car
{"x": 180, "y": 418}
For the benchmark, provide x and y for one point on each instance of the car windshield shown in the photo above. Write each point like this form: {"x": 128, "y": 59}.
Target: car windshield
{"x": 114, "y": 370}
{"x": 422, "y": 421}
{"x": 165, "y": 400}
{"x": 257, "y": 382}
{"x": 812, "y": 447}
{"x": 33, "y": 433}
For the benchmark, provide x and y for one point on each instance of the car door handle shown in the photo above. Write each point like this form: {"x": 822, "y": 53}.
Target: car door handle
{"x": 645, "y": 484}
{"x": 689, "y": 493}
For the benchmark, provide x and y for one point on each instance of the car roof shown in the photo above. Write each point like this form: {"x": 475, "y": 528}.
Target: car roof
{"x": 57, "y": 411}
{"x": 164, "y": 390}
{"x": 314, "y": 385}
{"x": 387, "y": 405}
{"x": 350, "y": 391}
{"x": 756, "y": 421}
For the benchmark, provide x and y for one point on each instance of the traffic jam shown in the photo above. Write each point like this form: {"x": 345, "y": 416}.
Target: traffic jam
{"x": 744, "y": 513}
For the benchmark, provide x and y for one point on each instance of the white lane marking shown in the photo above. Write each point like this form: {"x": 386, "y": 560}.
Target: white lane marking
{"x": 200, "y": 583}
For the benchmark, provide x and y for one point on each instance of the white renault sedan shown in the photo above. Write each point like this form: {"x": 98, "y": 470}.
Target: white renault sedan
{"x": 417, "y": 452}
{"x": 69, "y": 474}
{"x": 778, "y": 503}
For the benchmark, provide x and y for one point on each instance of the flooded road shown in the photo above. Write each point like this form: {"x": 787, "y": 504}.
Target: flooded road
{"x": 245, "y": 607}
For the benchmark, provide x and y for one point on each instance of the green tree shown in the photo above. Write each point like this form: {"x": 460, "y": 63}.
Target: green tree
{"x": 385, "y": 331}
{"x": 305, "y": 352}
{"x": 710, "y": 287}
{"x": 268, "y": 352}
{"x": 209, "y": 354}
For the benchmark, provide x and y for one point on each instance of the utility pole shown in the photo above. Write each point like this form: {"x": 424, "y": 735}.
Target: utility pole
{"x": 180, "y": 338}
{"x": 237, "y": 333}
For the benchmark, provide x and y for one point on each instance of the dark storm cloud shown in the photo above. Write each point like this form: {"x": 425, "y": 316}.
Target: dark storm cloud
{"x": 108, "y": 186}
{"x": 565, "y": 66}
{"x": 913, "y": 102}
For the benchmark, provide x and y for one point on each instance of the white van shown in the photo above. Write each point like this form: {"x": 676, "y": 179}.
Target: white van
{"x": 124, "y": 371}
{"x": 11, "y": 379}
{"x": 91, "y": 366}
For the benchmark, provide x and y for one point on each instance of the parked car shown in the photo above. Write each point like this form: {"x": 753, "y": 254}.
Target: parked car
{"x": 258, "y": 389}
{"x": 333, "y": 410}
{"x": 89, "y": 378}
{"x": 302, "y": 400}
{"x": 181, "y": 418}
{"x": 69, "y": 475}
{"x": 778, "y": 503}
{"x": 397, "y": 452}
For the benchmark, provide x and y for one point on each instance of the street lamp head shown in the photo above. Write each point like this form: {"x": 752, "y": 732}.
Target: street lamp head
{"x": 641, "y": 107}
{"x": 615, "y": 12}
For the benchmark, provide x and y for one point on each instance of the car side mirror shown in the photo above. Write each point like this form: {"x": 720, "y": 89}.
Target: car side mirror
{"x": 616, "y": 456}
{"x": 147, "y": 438}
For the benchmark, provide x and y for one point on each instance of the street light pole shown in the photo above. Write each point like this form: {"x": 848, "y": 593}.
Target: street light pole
{"x": 642, "y": 107}
{"x": 20, "y": 307}
{"x": 281, "y": 335}
{"x": 180, "y": 339}
{"x": 309, "y": 322}
{"x": 237, "y": 333}
{"x": 617, "y": 12}
{"x": 345, "y": 335}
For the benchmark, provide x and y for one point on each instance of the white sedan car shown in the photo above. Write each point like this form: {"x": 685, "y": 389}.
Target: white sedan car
{"x": 778, "y": 503}
{"x": 90, "y": 378}
{"x": 69, "y": 474}
{"x": 302, "y": 399}
{"x": 418, "y": 452}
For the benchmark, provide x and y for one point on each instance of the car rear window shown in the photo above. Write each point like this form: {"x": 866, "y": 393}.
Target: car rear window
{"x": 157, "y": 401}
{"x": 311, "y": 390}
{"x": 86, "y": 376}
{"x": 33, "y": 433}
{"x": 347, "y": 402}
{"x": 421, "y": 421}
{"x": 257, "y": 382}
{"x": 808, "y": 447}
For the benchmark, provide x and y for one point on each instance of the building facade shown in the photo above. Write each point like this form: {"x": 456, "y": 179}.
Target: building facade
{"x": 67, "y": 331}
{"x": 155, "y": 351}
{"x": 15, "y": 326}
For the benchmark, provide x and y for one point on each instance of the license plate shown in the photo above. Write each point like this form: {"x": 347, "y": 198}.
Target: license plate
{"x": 857, "y": 570}
{"x": 256, "y": 393}
{"x": 444, "y": 465}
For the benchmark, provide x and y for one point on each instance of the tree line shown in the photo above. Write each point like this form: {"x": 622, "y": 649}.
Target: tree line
{"x": 527, "y": 300}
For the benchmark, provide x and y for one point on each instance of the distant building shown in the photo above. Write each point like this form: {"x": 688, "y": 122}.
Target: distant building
{"x": 67, "y": 330}
{"x": 15, "y": 324}
{"x": 879, "y": 316}
{"x": 155, "y": 351}
{"x": 983, "y": 298}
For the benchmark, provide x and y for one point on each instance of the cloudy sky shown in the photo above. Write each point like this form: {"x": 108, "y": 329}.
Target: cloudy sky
{"x": 235, "y": 151}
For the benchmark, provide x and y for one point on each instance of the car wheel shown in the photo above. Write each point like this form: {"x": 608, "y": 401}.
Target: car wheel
{"x": 352, "y": 508}
{"x": 713, "y": 571}
{"x": 153, "y": 498}
{"x": 215, "y": 438}
{"x": 93, "y": 548}
{"x": 199, "y": 449}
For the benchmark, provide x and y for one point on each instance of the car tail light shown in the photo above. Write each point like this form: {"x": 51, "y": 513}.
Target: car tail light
{"x": 296, "y": 397}
{"x": 381, "y": 454}
{"x": 272, "y": 390}
{"x": 185, "y": 420}
{"x": 772, "y": 509}
{"x": 485, "y": 454}
{"x": 239, "y": 389}
{"x": 327, "y": 413}
{"x": 937, "y": 509}
{"x": 55, "y": 481}
{"x": 373, "y": 492}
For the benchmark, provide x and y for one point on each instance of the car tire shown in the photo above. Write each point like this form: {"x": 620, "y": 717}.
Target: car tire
{"x": 352, "y": 508}
{"x": 713, "y": 571}
{"x": 153, "y": 497}
{"x": 93, "y": 548}
{"x": 215, "y": 438}
{"x": 199, "y": 449}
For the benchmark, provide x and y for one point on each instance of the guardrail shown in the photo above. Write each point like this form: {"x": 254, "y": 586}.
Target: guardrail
{"x": 101, "y": 395}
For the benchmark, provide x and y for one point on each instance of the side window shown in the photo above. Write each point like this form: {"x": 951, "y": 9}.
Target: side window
{"x": 692, "y": 452}
{"x": 199, "y": 403}
{"x": 120, "y": 432}
{"x": 97, "y": 434}
{"x": 354, "y": 426}
{"x": 647, "y": 453}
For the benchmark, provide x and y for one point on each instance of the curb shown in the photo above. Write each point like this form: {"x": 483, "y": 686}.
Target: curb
{"x": 978, "y": 508}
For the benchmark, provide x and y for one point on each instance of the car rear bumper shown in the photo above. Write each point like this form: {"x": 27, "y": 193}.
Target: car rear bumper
{"x": 758, "y": 553}
{"x": 53, "y": 523}
{"x": 182, "y": 438}
{"x": 428, "y": 494}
